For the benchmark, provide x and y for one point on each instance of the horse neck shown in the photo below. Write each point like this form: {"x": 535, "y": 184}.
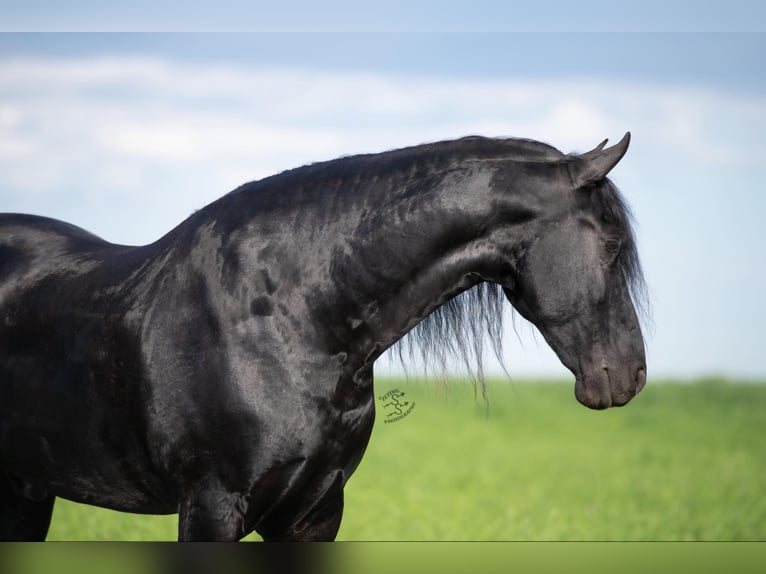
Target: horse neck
{"x": 361, "y": 258}
{"x": 417, "y": 245}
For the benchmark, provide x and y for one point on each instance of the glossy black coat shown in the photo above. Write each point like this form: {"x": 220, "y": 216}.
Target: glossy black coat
{"x": 225, "y": 371}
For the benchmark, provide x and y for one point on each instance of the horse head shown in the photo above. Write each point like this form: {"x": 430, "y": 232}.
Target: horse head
{"x": 578, "y": 274}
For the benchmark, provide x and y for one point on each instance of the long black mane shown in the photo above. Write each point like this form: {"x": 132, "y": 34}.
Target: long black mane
{"x": 321, "y": 175}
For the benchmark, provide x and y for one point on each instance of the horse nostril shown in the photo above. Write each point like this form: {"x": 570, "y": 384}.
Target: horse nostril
{"x": 640, "y": 379}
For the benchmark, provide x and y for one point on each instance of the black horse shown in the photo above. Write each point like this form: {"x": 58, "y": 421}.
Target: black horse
{"x": 225, "y": 372}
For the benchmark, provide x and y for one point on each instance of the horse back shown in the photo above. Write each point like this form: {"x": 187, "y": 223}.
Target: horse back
{"x": 28, "y": 239}
{"x": 70, "y": 367}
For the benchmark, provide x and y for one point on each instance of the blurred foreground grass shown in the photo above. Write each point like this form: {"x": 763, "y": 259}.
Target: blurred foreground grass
{"x": 683, "y": 461}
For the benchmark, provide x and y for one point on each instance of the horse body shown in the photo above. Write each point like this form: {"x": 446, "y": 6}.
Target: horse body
{"x": 225, "y": 371}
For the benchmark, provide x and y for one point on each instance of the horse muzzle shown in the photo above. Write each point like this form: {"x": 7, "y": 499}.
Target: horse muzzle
{"x": 600, "y": 387}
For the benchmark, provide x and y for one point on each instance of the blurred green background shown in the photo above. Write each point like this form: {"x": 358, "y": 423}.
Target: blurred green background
{"x": 682, "y": 461}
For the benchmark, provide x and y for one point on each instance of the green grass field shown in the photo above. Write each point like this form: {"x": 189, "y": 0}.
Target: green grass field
{"x": 680, "y": 462}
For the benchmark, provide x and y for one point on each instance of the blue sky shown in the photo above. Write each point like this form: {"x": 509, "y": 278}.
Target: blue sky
{"x": 390, "y": 16}
{"x": 127, "y": 134}
{"x": 712, "y": 58}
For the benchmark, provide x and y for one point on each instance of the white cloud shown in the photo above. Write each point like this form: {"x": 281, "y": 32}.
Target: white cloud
{"x": 153, "y": 110}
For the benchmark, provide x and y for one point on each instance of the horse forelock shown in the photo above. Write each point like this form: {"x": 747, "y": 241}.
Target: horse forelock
{"x": 628, "y": 261}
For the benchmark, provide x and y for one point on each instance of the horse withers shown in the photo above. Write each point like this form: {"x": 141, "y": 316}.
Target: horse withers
{"x": 225, "y": 372}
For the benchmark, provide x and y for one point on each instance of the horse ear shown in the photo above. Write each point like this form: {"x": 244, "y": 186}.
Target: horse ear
{"x": 595, "y": 151}
{"x": 593, "y": 166}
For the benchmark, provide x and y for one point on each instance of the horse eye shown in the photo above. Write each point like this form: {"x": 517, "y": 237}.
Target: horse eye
{"x": 612, "y": 245}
